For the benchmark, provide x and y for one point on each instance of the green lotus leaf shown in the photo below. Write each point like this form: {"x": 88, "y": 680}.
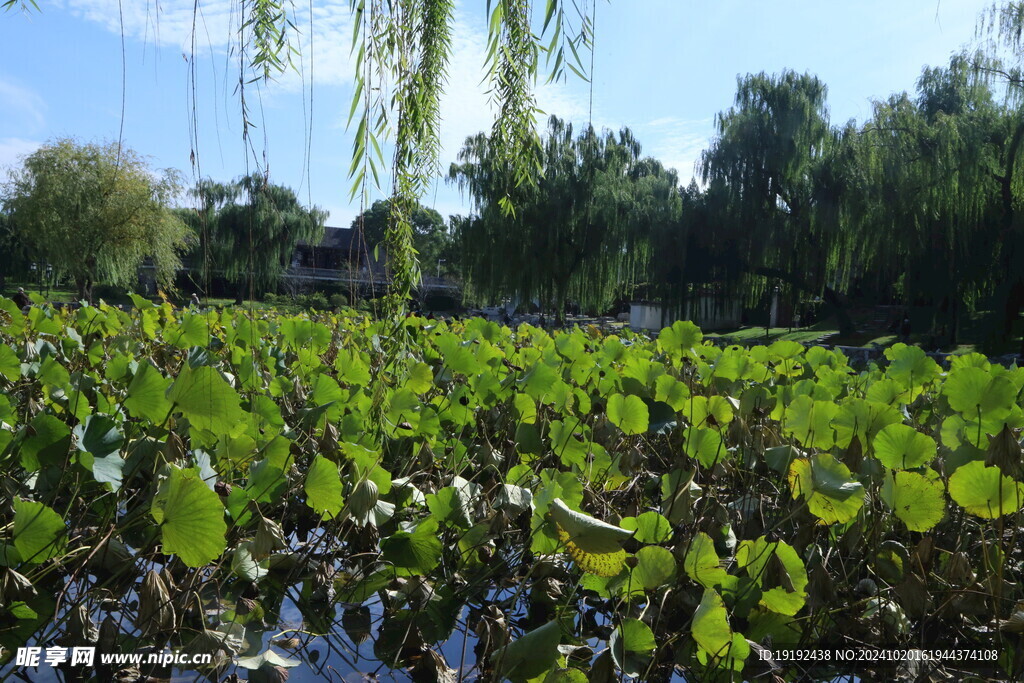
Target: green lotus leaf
{"x": 650, "y": 527}
{"x": 778, "y": 570}
{"x": 456, "y": 354}
{"x": 192, "y": 330}
{"x": 705, "y": 446}
{"x": 207, "y": 400}
{"x": 655, "y": 567}
{"x": 530, "y": 655}
{"x": 976, "y": 393}
{"x": 910, "y": 366}
{"x": 918, "y": 501}
{"x": 10, "y": 366}
{"x": 984, "y": 491}
{"x": 594, "y": 545}
{"x": 191, "y": 518}
{"x": 147, "y": 394}
{"x": 831, "y": 493}
{"x": 268, "y": 657}
{"x": 899, "y": 446}
{"x": 421, "y": 378}
{"x": 99, "y": 435}
{"x": 682, "y": 336}
{"x": 863, "y": 419}
{"x": 701, "y": 562}
{"x": 323, "y": 488}
{"x": 670, "y": 390}
{"x": 710, "y": 628}
{"x": 628, "y": 413}
{"x": 48, "y": 446}
{"x": 701, "y": 411}
{"x": 39, "y": 532}
{"x": 413, "y": 553}
{"x": 631, "y": 637}
{"x": 810, "y": 422}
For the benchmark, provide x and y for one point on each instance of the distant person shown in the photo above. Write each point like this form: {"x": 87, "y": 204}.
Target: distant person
{"x": 905, "y": 328}
{"x": 21, "y": 300}
{"x": 195, "y": 300}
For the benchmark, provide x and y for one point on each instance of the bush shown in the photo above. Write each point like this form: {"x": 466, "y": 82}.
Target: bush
{"x": 111, "y": 294}
{"x": 316, "y": 301}
{"x": 339, "y": 301}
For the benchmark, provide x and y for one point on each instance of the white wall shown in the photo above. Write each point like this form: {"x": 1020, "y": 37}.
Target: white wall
{"x": 706, "y": 311}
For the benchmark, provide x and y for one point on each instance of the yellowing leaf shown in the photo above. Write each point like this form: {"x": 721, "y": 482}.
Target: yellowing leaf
{"x": 594, "y": 545}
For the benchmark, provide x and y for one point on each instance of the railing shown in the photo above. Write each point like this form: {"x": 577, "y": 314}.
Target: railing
{"x": 352, "y": 276}
{"x": 361, "y": 277}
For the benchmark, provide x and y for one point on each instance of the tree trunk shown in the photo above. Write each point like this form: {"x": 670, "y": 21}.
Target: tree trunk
{"x": 240, "y": 292}
{"x": 830, "y": 296}
{"x": 954, "y": 324}
{"x": 842, "y": 312}
{"x": 560, "y": 300}
{"x": 84, "y": 285}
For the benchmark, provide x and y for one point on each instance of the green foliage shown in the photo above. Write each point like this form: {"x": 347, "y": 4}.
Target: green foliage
{"x": 323, "y": 487}
{"x": 248, "y": 229}
{"x": 95, "y": 212}
{"x": 531, "y": 655}
{"x": 984, "y": 491}
{"x": 777, "y": 164}
{"x": 710, "y": 628}
{"x": 825, "y": 484}
{"x": 628, "y": 413}
{"x": 916, "y": 499}
{"x": 38, "y": 534}
{"x": 191, "y": 518}
{"x": 576, "y": 231}
{"x": 431, "y": 237}
{"x": 508, "y": 459}
{"x": 413, "y": 553}
{"x": 632, "y": 637}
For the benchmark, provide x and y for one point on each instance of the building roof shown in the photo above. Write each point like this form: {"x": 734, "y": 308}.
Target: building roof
{"x": 345, "y": 239}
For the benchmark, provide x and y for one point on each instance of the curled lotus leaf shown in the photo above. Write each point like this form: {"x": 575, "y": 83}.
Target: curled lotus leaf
{"x": 594, "y": 545}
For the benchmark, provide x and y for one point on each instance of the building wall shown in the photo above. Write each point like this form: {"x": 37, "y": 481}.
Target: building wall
{"x": 708, "y": 312}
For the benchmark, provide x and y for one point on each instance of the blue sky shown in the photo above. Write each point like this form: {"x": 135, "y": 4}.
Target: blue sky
{"x": 662, "y": 67}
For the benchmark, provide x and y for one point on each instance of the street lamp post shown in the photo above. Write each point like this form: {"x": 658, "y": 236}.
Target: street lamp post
{"x": 439, "y": 262}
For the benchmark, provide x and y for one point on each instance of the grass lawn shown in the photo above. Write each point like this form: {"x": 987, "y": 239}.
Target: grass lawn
{"x": 56, "y": 294}
{"x": 753, "y": 335}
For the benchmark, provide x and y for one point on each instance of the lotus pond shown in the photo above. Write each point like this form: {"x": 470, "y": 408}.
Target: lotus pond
{"x": 281, "y": 493}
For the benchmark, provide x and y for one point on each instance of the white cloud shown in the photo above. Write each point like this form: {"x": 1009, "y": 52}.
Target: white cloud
{"x": 677, "y": 142}
{"x": 12, "y": 149}
{"x": 212, "y": 27}
{"x": 23, "y": 102}
{"x": 325, "y": 58}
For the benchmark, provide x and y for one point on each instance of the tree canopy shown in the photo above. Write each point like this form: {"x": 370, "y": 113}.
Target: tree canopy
{"x": 247, "y": 231}
{"x": 575, "y": 232}
{"x": 432, "y": 237}
{"x": 778, "y": 168}
{"x": 95, "y": 212}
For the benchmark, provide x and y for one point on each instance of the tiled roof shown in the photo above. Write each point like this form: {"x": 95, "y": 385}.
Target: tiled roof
{"x": 346, "y": 239}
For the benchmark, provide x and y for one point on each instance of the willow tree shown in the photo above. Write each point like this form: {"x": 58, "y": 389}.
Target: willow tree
{"x": 926, "y": 201}
{"x": 95, "y": 212}
{"x": 248, "y": 231}
{"x": 571, "y": 234}
{"x": 690, "y": 250}
{"x": 778, "y": 169}
{"x": 1004, "y": 65}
